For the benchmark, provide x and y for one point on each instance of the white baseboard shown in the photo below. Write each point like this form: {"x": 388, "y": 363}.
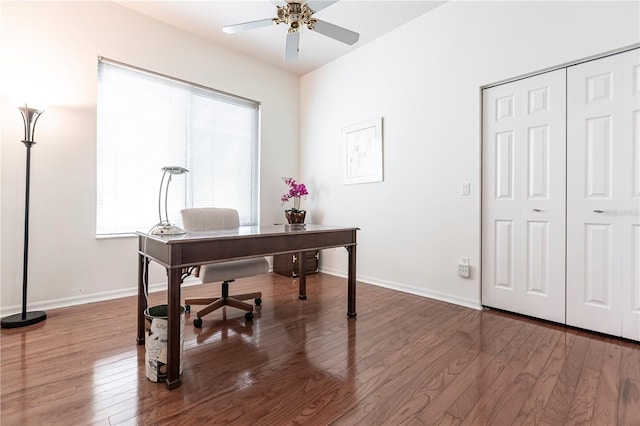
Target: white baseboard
{"x": 132, "y": 291}
{"x": 443, "y": 297}
{"x": 88, "y": 298}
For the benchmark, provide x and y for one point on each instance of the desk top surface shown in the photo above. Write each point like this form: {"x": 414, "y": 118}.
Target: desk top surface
{"x": 245, "y": 232}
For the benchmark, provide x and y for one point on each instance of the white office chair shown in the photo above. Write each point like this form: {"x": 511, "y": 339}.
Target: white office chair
{"x": 207, "y": 219}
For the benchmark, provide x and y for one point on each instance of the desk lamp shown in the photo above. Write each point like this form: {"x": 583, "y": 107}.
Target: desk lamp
{"x": 29, "y": 116}
{"x": 164, "y": 227}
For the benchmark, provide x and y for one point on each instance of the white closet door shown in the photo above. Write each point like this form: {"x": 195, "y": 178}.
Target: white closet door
{"x": 523, "y": 213}
{"x": 631, "y": 242}
{"x": 603, "y": 233}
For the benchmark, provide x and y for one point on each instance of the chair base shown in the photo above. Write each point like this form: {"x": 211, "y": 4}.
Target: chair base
{"x": 213, "y": 303}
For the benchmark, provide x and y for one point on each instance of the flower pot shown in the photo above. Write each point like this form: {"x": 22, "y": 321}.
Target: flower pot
{"x": 295, "y": 216}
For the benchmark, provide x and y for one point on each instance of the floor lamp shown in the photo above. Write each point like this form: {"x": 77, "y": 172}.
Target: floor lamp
{"x": 164, "y": 227}
{"x": 29, "y": 116}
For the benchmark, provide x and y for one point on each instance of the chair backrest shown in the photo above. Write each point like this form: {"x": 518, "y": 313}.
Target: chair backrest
{"x": 209, "y": 218}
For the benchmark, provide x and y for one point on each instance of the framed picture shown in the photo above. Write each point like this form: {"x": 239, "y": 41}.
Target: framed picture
{"x": 362, "y": 144}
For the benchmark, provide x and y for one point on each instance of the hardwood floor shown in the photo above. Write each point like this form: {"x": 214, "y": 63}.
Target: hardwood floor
{"x": 405, "y": 360}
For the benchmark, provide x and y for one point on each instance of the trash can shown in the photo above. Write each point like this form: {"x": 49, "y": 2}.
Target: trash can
{"x": 155, "y": 341}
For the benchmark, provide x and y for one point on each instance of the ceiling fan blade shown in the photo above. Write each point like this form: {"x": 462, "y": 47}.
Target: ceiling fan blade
{"x": 236, "y": 28}
{"x": 292, "y": 46}
{"x": 336, "y": 32}
{"x": 318, "y": 5}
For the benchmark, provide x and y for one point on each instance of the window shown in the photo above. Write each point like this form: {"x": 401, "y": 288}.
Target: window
{"x": 147, "y": 121}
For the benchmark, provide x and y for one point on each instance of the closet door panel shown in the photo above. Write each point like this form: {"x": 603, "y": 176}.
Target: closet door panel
{"x": 598, "y": 259}
{"x": 631, "y": 235}
{"x": 602, "y": 199}
{"x": 524, "y": 152}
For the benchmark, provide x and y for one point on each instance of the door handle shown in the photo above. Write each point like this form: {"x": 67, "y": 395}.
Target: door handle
{"x": 598, "y": 211}
{"x": 537, "y": 210}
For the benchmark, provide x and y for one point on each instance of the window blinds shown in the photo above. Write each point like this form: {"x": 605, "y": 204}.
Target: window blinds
{"x": 147, "y": 121}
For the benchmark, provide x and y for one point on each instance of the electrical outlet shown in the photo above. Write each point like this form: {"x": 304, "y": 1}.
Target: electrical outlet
{"x": 463, "y": 267}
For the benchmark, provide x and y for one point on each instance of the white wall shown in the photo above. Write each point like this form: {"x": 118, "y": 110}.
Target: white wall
{"x": 56, "y": 46}
{"x": 424, "y": 79}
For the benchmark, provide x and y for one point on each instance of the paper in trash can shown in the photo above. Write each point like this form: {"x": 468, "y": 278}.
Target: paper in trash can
{"x": 155, "y": 342}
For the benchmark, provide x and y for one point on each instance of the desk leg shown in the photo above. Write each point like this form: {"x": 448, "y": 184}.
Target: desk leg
{"x": 302, "y": 277}
{"x": 143, "y": 287}
{"x": 351, "y": 283}
{"x": 173, "y": 335}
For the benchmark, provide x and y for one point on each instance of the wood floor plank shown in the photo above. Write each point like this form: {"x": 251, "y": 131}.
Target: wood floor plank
{"x": 629, "y": 397}
{"x": 496, "y": 399}
{"x": 342, "y": 398}
{"x": 605, "y": 410}
{"x": 532, "y": 409}
{"x": 581, "y": 409}
{"x": 375, "y": 385}
{"x": 426, "y": 372}
{"x": 521, "y": 380}
{"x": 556, "y": 410}
{"x": 382, "y": 358}
{"x": 455, "y": 379}
{"x": 495, "y": 358}
{"x": 405, "y": 360}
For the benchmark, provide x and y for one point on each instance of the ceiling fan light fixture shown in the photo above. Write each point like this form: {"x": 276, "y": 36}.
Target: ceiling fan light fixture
{"x": 296, "y": 15}
{"x": 311, "y": 23}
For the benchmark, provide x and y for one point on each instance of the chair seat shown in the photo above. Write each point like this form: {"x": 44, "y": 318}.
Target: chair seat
{"x": 228, "y": 271}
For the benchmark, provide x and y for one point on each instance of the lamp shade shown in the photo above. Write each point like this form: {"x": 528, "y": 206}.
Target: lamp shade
{"x": 30, "y": 117}
{"x": 175, "y": 170}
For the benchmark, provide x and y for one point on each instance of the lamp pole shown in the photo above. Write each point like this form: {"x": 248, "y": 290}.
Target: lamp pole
{"x": 29, "y": 116}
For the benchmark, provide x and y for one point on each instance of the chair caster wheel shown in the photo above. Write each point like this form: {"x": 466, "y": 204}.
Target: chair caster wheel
{"x": 258, "y": 301}
{"x": 187, "y": 308}
{"x": 197, "y": 322}
{"x": 248, "y": 316}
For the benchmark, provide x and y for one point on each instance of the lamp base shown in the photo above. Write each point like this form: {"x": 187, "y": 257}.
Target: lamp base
{"x": 167, "y": 229}
{"x": 17, "y": 320}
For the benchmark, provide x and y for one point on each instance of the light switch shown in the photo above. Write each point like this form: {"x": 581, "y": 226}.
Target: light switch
{"x": 465, "y": 188}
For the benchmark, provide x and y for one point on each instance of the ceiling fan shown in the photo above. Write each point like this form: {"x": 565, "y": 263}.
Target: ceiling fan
{"x": 296, "y": 15}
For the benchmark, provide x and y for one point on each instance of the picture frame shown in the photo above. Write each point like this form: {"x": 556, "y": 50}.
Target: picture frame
{"x": 363, "y": 155}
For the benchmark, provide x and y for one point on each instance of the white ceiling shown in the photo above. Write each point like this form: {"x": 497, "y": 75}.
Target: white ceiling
{"x": 370, "y": 18}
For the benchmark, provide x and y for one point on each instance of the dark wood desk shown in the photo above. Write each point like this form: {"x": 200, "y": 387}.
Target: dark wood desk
{"x": 179, "y": 253}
